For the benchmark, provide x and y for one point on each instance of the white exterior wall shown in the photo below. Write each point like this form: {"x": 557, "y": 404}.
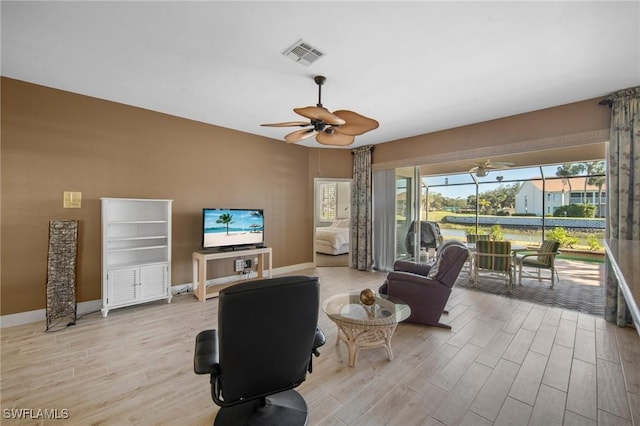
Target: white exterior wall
{"x": 534, "y": 200}
{"x": 529, "y": 199}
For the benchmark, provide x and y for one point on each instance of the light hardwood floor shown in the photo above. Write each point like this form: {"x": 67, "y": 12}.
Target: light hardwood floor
{"x": 504, "y": 362}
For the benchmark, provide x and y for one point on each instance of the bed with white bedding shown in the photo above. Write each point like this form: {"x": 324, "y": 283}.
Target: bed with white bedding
{"x": 333, "y": 239}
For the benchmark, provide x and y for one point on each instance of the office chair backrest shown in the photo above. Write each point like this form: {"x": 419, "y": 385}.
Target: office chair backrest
{"x": 266, "y": 331}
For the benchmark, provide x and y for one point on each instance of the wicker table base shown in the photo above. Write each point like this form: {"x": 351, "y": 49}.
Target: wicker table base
{"x": 361, "y": 326}
{"x": 364, "y": 336}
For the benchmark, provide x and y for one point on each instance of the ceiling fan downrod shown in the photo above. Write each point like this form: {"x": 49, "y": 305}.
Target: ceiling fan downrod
{"x": 319, "y": 125}
{"x": 319, "y": 79}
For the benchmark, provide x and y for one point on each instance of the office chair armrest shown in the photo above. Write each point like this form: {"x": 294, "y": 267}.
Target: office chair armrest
{"x": 205, "y": 359}
{"x": 319, "y": 340}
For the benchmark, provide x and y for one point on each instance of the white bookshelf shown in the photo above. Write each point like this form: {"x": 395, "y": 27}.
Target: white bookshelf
{"x": 136, "y": 251}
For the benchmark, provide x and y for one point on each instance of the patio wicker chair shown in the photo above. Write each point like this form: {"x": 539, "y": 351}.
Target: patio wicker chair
{"x": 544, "y": 258}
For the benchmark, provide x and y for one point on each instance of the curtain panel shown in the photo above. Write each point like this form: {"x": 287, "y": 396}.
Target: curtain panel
{"x": 384, "y": 222}
{"x": 361, "y": 209}
{"x": 623, "y": 188}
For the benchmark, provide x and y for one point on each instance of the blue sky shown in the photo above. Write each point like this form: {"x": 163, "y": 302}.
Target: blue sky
{"x": 445, "y": 185}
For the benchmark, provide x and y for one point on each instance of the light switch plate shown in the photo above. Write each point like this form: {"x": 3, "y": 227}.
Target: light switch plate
{"x": 72, "y": 200}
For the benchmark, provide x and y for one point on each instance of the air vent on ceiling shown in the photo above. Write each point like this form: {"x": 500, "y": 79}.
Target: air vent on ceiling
{"x": 303, "y": 53}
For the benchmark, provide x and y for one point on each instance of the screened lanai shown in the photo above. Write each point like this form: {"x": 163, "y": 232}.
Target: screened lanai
{"x": 525, "y": 205}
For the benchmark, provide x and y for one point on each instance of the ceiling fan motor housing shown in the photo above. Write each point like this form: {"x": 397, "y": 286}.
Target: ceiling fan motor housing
{"x": 318, "y": 125}
{"x": 338, "y": 128}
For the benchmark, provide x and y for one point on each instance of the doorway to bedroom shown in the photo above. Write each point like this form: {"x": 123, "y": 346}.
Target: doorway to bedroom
{"x": 332, "y": 210}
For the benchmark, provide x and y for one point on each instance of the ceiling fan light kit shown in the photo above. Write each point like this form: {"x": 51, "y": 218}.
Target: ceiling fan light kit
{"x": 481, "y": 169}
{"x": 481, "y": 172}
{"x": 336, "y": 129}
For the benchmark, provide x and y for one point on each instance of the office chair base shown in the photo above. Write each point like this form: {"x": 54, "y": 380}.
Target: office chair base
{"x": 284, "y": 408}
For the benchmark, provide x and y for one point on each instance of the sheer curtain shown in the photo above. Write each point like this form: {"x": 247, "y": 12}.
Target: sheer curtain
{"x": 623, "y": 187}
{"x": 361, "y": 209}
{"x": 384, "y": 213}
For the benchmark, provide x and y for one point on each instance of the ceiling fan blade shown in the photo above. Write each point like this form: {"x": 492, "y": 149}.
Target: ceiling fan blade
{"x": 288, "y": 124}
{"x": 501, "y": 164}
{"x": 335, "y": 139}
{"x": 356, "y": 124}
{"x": 317, "y": 113}
{"x": 299, "y": 135}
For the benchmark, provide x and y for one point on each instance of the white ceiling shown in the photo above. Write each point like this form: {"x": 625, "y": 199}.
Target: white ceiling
{"x": 416, "y": 67}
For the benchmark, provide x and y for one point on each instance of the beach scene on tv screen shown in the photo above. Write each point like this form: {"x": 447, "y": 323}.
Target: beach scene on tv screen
{"x": 232, "y": 227}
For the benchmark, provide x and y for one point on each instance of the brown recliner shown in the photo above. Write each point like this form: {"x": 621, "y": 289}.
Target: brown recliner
{"x": 426, "y": 288}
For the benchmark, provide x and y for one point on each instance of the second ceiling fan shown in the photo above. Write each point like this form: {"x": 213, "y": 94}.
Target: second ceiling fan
{"x": 482, "y": 168}
{"x": 337, "y": 128}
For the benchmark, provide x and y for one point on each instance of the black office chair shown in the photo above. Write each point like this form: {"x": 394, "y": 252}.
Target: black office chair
{"x": 267, "y": 333}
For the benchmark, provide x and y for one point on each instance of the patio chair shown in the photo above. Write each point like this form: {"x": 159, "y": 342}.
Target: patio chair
{"x": 472, "y": 239}
{"x": 493, "y": 257}
{"x": 543, "y": 258}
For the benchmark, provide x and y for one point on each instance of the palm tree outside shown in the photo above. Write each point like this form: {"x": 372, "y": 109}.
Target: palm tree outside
{"x": 225, "y": 219}
{"x": 566, "y": 171}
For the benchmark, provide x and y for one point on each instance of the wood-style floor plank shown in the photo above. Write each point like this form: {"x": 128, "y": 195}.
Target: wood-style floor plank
{"x": 549, "y": 407}
{"x": 504, "y": 362}
{"x": 582, "y": 395}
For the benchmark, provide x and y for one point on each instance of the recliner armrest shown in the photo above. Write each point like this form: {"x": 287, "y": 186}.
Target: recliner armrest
{"x": 413, "y": 267}
{"x": 205, "y": 359}
{"x": 406, "y": 278}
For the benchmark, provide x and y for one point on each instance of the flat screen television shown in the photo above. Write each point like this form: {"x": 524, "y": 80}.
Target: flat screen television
{"x": 232, "y": 228}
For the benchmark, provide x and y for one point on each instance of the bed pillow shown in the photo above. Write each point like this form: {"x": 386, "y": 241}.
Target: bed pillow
{"x": 340, "y": 223}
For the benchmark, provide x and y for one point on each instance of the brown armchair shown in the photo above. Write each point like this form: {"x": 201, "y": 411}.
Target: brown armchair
{"x": 426, "y": 288}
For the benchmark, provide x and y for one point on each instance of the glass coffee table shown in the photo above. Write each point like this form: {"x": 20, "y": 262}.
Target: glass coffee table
{"x": 365, "y": 326}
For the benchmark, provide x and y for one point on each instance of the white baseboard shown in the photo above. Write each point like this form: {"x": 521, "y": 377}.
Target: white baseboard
{"x": 21, "y": 318}
{"x": 95, "y": 305}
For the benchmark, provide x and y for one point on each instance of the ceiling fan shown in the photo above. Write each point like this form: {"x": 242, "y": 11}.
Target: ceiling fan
{"x": 337, "y": 128}
{"x": 481, "y": 169}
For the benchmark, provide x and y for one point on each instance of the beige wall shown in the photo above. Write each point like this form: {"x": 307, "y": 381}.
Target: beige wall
{"x": 571, "y": 132}
{"x": 55, "y": 141}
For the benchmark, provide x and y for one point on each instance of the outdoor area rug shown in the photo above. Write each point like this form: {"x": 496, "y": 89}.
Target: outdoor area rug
{"x": 579, "y": 289}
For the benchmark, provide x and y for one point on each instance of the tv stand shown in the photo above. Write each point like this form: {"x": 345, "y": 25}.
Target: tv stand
{"x": 201, "y": 258}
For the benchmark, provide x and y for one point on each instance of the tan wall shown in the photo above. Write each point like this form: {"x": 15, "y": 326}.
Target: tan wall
{"x": 55, "y": 141}
{"x": 574, "y": 125}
